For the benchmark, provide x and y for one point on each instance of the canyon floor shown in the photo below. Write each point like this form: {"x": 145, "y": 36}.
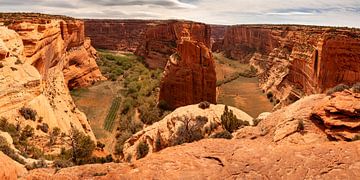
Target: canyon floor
{"x": 243, "y": 92}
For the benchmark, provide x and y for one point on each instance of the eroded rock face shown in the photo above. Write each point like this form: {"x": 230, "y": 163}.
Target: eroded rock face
{"x": 34, "y": 74}
{"x": 119, "y": 35}
{"x": 185, "y": 123}
{"x": 60, "y": 44}
{"x": 217, "y": 37}
{"x": 339, "y": 114}
{"x": 189, "y": 76}
{"x": 162, "y": 40}
{"x": 9, "y": 169}
{"x": 293, "y": 61}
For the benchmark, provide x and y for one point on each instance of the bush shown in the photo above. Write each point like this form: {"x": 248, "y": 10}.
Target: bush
{"x": 62, "y": 163}
{"x": 35, "y": 165}
{"x": 269, "y": 95}
{"x": 189, "y": 132}
{"x": 100, "y": 145}
{"x": 338, "y": 88}
{"x": 164, "y": 105}
{"x": 27, "y": 132}
{"x": 43, "y": 127}
{"x": 356, "y": 88}
{"x": 149, "y": 115}
{"x": 82, "y": 146}
{"x": 204, "y": 105}
{"x": 230, "y": 122}
{"x": 142, "y": 150}
{"x": 223, "y": 134}
{"x": 121, "y": 139}
{"x": 28, "y": 113}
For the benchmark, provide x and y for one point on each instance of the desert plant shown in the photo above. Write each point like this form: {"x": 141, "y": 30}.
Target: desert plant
{"x": 142, "y": 150}
{"x": 230, "y": 122}
{"x": 356, "y": 88}
{"x": 82, "y": 146}
{"x": 38, "y": 164}
{"x": 204, "y": 105}
{"x": 28, "y": 113}
{"x": 100, "y": 145}
{"x": 189, "y": 132}
{"x": 338, "y": 88}
{"x": 223, "y": 134}
{"x": 43, "y": 127}
{"x": 111, "y": 116}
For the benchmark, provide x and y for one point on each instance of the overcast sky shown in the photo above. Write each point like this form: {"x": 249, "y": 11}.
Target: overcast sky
{"x": 316, "y": 12}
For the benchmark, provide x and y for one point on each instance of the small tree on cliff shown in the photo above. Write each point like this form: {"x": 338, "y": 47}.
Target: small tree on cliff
{"x": 82, "y": 146}
{"x": 230, "y": 122}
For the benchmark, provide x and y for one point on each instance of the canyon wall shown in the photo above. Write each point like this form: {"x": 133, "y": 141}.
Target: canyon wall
{"x": 41, "y": 58}
{"x": 119, "y": 35}
{"x": 162, "y": 40}
{"x": 189, "y": 76}
{"x": 293, "y": 61}
{"x": 217, "y": 37}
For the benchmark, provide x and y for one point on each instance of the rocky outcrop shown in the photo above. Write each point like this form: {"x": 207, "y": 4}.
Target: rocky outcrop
{"x": 339, "y": 115}
{"x": 162, "y": 40}
{"x": 9, "y": 169}
{"x": 189, "y": 76}
{"x": 36, "y": 70}
{"x": 185, "y": 124}
{"x": 55, "y": 43}
{"x": 119, "y": 35}
{"x": 293, "y": 61}
{"x": 284, "y": 139}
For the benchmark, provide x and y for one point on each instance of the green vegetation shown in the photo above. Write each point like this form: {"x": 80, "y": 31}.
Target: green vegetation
{"x": 249, "y": 73}
{"x": 230, "y": 122}
{"x": 223, "y": 134}
{"x": 356, "y": 88}
{"x": 189, "y": 132}
{"x": 139, "y": 94}
{"x": 110, "y": 118}
{"x": 77, "y": 92}
{"x": 338, "y": 88}
{"x": 142, "y": 150}
{"x": 204, "y": 105}
{"x": 28, "y": 113}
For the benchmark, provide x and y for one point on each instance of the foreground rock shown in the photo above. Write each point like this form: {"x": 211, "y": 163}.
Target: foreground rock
{"x": 185, "y": 124}
{"x": 293, "y": 61}
{"x": 9, "y": 169}
{"x": 189, "y": 76}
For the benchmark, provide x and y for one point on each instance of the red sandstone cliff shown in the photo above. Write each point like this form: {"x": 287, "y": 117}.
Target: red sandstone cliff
{"x": 217, "y": 37}
{"x": 293, "y": 61}
{"x": 189, "y": 76}
{"x": 162, "y": 39}
{"x": 120, "y": 35}
{"x": 41, "y": 58}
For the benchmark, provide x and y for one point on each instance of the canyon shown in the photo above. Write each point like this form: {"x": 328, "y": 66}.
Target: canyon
{"x": 309, "y": 134}
{"x": 42, "y": 58}
{"x": 294, "y": 61}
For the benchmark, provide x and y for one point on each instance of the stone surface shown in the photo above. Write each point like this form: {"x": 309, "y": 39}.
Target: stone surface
{"x": 9, "y": 169}
{"x": 339, "y": 114}
{"x": 33, "y": 74}
{"x": 293, "y": 61}
{"x": 189, "y": 76}
{"x": 166, "y": 132}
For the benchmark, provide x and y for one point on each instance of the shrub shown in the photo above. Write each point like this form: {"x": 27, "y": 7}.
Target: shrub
{"x": 18, "y": 62}
{"x": 269, "y": 95}
{"x": 223, "y": 134}
{"x": 164, "y": 105}
{"x": 28, "y": 113}
{"x": 27, "y": 132}
{"x": 43, "y": 127}
{"x": 356, "y": 88}
{"x": 204, "y": 105}
{"x": 338, "y": 88}
{"x": 37, "y": 164}
{"x": 5, "y": 148}
{"x": 230, "y": 122}
{"x": 82, "y": 146}
{"x": 62, "y": 163}
{"x": 121, "y": 139}
{"x": 142, "y": 150}
{"x": 189, "y": 132}
{"x": 149, "y": 115}
{"x": 100, "y": 145}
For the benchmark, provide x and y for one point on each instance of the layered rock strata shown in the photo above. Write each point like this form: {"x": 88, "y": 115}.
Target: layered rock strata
{"x": 189, "y": 76}
{"x": 293, "y": 61}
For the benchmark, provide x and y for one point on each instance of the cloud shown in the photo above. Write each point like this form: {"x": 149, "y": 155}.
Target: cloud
{"x": 320, "y": 12}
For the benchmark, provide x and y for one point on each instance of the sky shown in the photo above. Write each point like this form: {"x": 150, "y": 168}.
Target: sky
{"x": 229, "y": 12}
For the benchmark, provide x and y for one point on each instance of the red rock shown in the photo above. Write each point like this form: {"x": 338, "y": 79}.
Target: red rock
{"x": 293, "y": 61}
{"x": 189, "y": 76}
{"x": 120, "y": 35}
{"x": 162, "y": 39}
{"x": 217, "y": 37}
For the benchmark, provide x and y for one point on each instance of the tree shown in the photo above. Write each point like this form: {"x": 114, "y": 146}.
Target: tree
{"x": 230, "y": 122}
{"x": 142, "y": 150}
{"x": 82, "y": 146}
